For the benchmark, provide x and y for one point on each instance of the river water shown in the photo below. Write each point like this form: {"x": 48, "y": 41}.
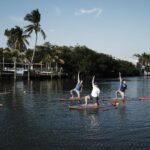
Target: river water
{"x": 33, "y": 118}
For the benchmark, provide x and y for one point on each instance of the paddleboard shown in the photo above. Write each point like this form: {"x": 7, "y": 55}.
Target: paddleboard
{"x": 110, "y": 100}
{"x": 114, "y": 102}
{"x": 71, "y": 99}
{"x": 90, "y": 106}
{"x": 144, "y": 98}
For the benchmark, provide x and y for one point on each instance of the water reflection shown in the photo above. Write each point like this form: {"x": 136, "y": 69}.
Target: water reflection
{"x": 33, "y": 116}
{"x": 138, "y": 87}
{"x": 94, "y": 120}
{"x": 92, "y": 116}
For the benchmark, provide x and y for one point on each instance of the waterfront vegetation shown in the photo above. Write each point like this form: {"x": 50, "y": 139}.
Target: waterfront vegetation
{"x": 143, "y": 62}
{"x": 70, "y": 58}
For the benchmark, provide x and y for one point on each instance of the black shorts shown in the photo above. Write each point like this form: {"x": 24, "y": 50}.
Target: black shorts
{"x": 94, "y": 98}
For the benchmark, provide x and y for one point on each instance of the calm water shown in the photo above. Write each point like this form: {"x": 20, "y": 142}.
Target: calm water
{"x": 33, "y": 118}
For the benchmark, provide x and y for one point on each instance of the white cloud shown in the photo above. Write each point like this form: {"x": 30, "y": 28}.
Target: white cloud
{"x": 82, "y": 11}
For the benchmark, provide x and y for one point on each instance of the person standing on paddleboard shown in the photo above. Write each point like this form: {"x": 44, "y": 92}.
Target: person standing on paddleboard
{"x": 78, "y": 87}
{"x": 122, "y": 88}
{"x": 95, "y": 94}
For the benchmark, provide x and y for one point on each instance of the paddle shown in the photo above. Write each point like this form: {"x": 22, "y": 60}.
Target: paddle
{"x": 138, "y": 99}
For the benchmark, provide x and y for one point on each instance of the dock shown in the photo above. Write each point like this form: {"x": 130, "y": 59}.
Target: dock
{"x": 24, "y": 71}
{"x": 33, "y": 74}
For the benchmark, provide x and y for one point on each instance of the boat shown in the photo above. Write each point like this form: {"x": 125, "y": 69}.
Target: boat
{"x": 11, "y": 71}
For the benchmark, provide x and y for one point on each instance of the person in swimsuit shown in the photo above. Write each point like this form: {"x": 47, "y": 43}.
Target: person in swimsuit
{"x": 122, "y": 88}
{"x": 78, "y": 87}
{"x": 95, "y": 94}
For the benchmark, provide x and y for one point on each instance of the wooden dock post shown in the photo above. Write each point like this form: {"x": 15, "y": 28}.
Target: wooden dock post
{"x": 14, "y": 59}
{"x": 28, "y": 72}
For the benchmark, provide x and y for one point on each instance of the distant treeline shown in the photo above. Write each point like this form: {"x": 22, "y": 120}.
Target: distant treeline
{"x": 89, "y": 62}
{"x": 73, "y": 59}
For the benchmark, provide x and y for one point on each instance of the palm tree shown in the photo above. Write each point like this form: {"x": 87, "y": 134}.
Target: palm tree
{"x": 34, "y": 17}
{"x": 17, "y": 41}
{"x": 16, "y": 38}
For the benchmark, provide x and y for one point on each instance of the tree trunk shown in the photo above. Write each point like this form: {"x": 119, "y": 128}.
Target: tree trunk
{"x": 34, "y": 47}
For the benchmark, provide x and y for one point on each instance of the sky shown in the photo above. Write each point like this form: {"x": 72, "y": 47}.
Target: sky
{"x": 120, "y": 28}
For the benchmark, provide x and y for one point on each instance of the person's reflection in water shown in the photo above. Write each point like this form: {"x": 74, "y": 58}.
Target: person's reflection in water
{"x": 93, "y": 120}
{"x": 122, "y": 112}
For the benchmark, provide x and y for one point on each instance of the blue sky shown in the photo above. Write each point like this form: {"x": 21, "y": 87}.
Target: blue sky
{"x": 120, "y": 28}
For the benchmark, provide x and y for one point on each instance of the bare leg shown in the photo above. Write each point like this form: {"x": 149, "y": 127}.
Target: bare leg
{"x": 78, "y": 94}
{"x": 86, "y": 99}
{"x": 71, "y": 92}
{"x": 116, "y": 93}
{"x": 123, "y": 95}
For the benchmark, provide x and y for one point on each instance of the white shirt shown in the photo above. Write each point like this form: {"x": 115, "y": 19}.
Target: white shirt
{"x": 95, "y": 91}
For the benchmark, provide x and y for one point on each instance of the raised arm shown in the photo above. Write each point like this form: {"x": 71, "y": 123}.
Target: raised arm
{"x": 93, "y": 80}
{"x": 120, "y": 77}
{"x": 78, "y": 77}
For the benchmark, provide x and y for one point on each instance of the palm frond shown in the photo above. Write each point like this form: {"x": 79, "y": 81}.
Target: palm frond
{"x": 43, "y": 34}
{"x": 28, "y": 17}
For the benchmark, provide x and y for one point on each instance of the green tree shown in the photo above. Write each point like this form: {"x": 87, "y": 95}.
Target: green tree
{"x": 43, "y": 55}
{"x": 34, "y": 18}
{"x": 144, "y": 61}
{"x": 17, "y": 39}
